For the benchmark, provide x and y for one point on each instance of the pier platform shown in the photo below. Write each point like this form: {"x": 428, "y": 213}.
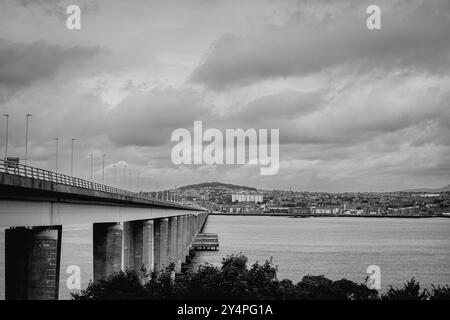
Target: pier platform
{"x": 206, "y": 242}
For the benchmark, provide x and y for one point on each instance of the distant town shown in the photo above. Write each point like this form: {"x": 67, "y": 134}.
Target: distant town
{"x": 231, "y": 199}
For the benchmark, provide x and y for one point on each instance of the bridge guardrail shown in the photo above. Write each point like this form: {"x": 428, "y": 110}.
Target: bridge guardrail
{"x": 15, "y": 168}
{"x": 46, "y": 175}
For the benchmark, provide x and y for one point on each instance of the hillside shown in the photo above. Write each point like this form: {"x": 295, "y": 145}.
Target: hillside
{"x": 205, "y": 185}
{"x": 431, "y": 190}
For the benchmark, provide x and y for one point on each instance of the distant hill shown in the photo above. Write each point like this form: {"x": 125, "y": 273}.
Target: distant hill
{"x": 431, "y": 190}
{"x": 217, "y": 185}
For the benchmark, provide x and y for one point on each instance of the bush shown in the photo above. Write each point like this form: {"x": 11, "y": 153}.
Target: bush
{"x": 118, "y": 286}
{"x": 234, "y": 280}
{"x": 440, "y": 293}
{"x": 410, "y": 291}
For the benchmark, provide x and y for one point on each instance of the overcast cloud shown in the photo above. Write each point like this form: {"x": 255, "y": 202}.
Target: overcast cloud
{"x": 357, "y": 109}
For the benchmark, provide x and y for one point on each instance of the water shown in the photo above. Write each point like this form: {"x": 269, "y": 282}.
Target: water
{"x": 338, "y": 247}
{"x": 334, "y": 247}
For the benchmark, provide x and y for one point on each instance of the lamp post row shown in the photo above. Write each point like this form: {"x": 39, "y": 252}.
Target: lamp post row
{"x": 6, "y": 115}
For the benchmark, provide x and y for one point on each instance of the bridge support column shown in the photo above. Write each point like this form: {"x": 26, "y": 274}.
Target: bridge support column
{"x": 201, "y": 221}
{"x": 179, "y": 255}
{"x": 148, "y": 247}
{"x": 191, "y": 228}
{"x": 138, "y": 245}
{"x": 107, "y": 249}
{"x": 172, "y": 243}
{"x": 184, "y": 247}
{"x": 197, "y": 224}
{"x": 132, "y": 245}
{"x": 32, "y": 263}
{"x": 161, "y": 243}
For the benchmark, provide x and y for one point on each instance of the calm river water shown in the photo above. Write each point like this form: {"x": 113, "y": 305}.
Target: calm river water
{"x": 334, "y": 247}
{"x": 338, "y": 247}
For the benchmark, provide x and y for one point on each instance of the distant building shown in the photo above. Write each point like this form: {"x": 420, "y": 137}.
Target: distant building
{"x": 256, "y": 198}
{"x": 324, "y": 210}
{"x": 279, "y": 210}
{"x": 235, "y": 210}
{"x": 406, "y": 211}
{"x": 205, "y": 197}
{"x": 299, "y": 211}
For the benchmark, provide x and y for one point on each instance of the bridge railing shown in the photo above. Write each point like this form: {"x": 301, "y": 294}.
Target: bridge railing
{"x": 16, "y": 168}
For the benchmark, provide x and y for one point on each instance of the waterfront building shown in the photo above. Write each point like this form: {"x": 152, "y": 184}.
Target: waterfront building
{"x": 256, "y": 198}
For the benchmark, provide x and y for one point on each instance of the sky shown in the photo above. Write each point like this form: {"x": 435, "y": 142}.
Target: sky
{"x": 357, "y": 109}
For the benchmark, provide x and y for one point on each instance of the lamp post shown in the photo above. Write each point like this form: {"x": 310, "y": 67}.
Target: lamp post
{"x": 26, "y": 139}
{"x": 139, "y": 180}
{"x": 115, "y": 175}
{"x": 6, "y": 139}
{"x": 103, "y": 168}
{"x": 125, "y": 176}
{"x": 56, "y": 157}
{"x": 71, "y": 158}
{"x": 130, "y": 174}
{"x": 92, "y": 165}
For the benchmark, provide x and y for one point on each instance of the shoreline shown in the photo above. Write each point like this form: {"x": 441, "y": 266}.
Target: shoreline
{"x": 323, "y": 216}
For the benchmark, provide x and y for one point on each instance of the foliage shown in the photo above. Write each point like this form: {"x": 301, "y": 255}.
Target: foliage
{"x": 440, "y": 293}
{"x": 235, "y": 280}
{"x": 410, "y": 291}
{"x": 117, "y": 286}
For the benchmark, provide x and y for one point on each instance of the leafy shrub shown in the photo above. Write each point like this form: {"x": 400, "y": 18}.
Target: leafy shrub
{"x": 410, "y": 291}
{"x": 234, "y": 280}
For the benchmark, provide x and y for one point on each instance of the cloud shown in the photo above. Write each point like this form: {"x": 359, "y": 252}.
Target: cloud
{"x": 57, "y": 7}
{"x": 22, "y": 64}
{"x": 356, "y": 109}
{"x": 413, "y": 36}
{"x": 284, "y": 105}
{"x": 148, "y": 119}
{"x": 366, "y": 107}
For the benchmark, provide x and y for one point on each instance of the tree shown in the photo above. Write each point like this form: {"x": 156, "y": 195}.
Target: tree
{"x": 410, "y": 291}
{"x": 440, "y": 293}
{"x": 234, "y": 280}
{"x": 117, "y": 286}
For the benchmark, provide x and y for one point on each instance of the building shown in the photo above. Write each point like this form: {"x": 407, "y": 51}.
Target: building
{"x": 256, "y": 198}
{"x": 324, "y": 210}
{"x": 406, "y": 211}
{"x": 299, "y": 211}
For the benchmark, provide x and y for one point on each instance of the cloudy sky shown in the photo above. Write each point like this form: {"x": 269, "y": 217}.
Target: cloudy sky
{"x": 358, "y": 110}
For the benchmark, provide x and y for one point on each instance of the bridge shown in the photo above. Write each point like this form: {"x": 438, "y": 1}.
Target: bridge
{"x": 128, "y": 230}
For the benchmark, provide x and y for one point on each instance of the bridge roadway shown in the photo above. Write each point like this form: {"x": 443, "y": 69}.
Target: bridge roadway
{"x": 129, "y": 231}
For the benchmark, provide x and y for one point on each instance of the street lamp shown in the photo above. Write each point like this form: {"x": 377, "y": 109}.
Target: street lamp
{"x": 130, "y": 174}
{"x": 6, "y": 139}
{"x": 139, "y": 180}
{"x": 124, "y": 176}
{"x": 115, "y": 175}
{"x": 56, "y": 158}
{"x": 92, "y": 164}
{"x": 26, "y": 140}
{"x": 71, "y": 158}
{"x": 103, "y": 168}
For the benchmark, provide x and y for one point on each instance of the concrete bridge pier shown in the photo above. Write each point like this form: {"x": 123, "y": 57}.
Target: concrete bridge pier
{"x": 32, "y": 263}
{"x": 172, "y": 240}
{"x": 161, "y": 243}
{"x": 148, "y": 256}
{"x": 191, "y": 228}
{"x": 184, "y": 245}
{"x": 138, "y": 245}
{"x": 201, "y": 219}
{"x": 107, "y": 249}
{"x": 179, "y": 249}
